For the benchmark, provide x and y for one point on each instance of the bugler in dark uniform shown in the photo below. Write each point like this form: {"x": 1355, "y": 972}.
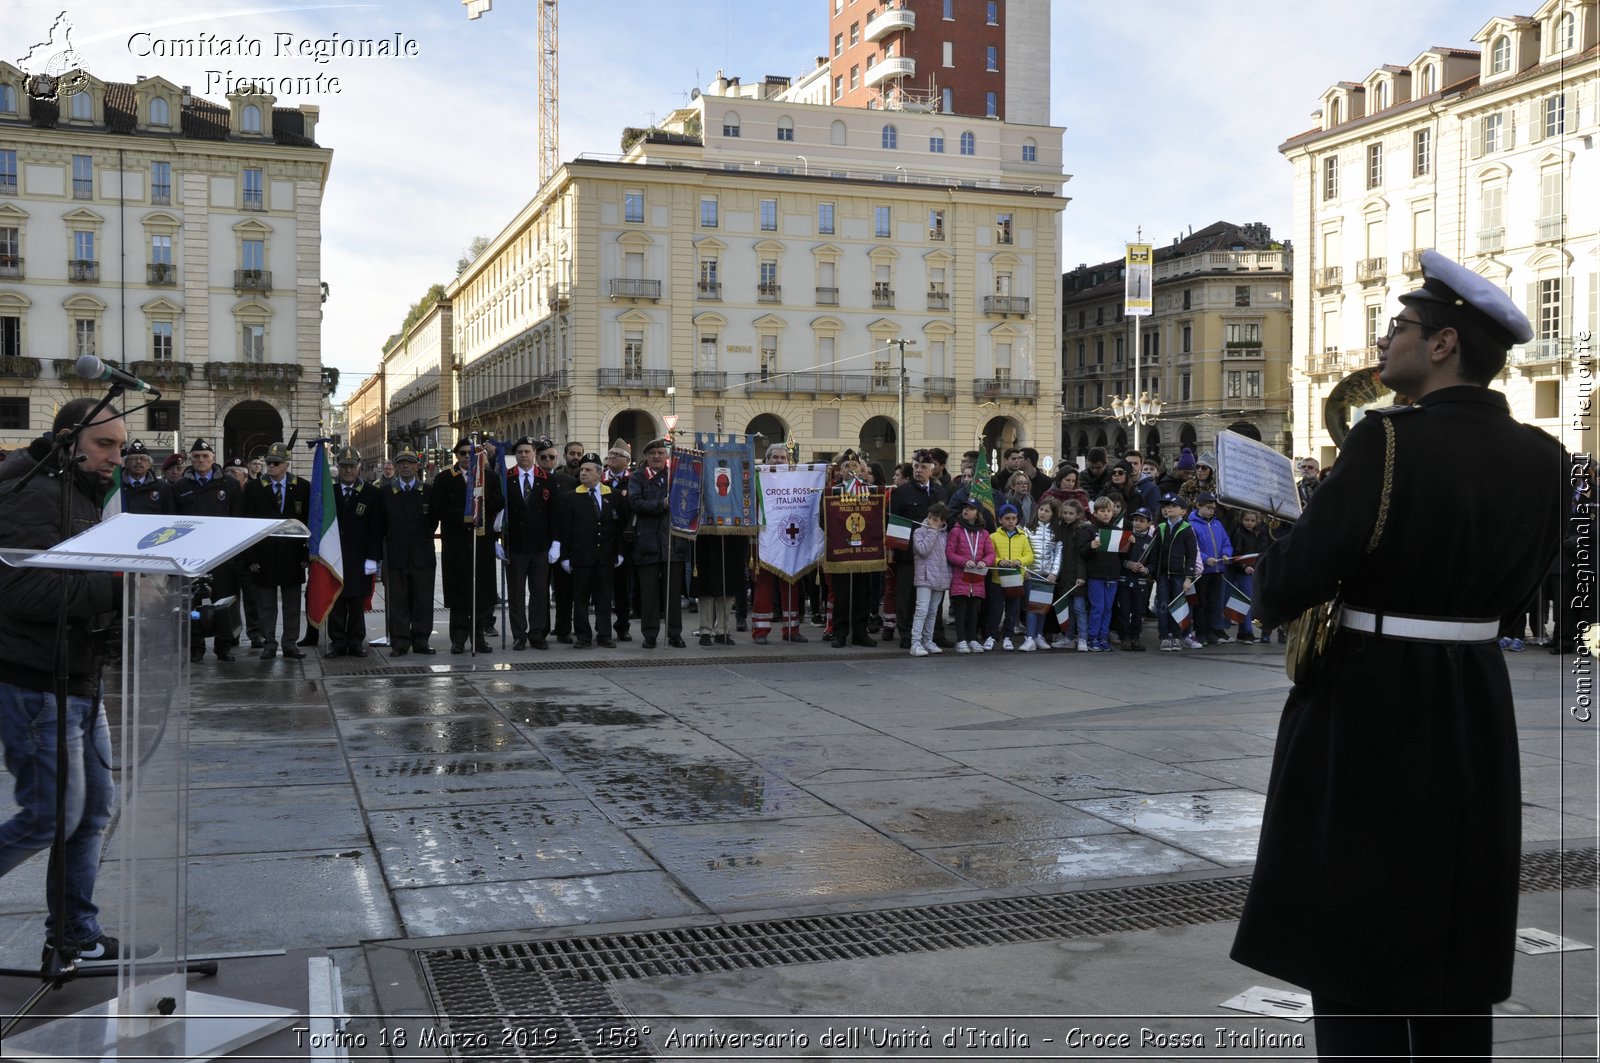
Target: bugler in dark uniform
{"x": 589, "y": 526}
{"x": 1393, "y": 812}
{"x": 410, "y": 561}
{"x": 277, "y": 564}
{"x": 204, "y": 491}
{"x": 360, "y": 508}
{"x": 460, "y": 544}
{"x": 142, "y": 490}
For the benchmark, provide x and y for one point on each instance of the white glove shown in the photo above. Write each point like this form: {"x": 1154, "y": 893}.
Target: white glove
{"x": 619, "y": 561}
{"x": 369, "y": 567}
{"x": 500, "y": 521}
{"x": 555, "y": 552}
{"x": 566, "y": 566}
{"x": 500, "y": 551}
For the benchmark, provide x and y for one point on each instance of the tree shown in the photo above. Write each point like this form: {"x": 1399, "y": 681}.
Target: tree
{"x": 479, "y": 245}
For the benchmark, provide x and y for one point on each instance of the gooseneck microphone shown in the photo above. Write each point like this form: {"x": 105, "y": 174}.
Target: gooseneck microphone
{"x": 91, "y": 368}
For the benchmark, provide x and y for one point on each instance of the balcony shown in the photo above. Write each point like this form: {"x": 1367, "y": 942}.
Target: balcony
{"x": 1492, "y": 241}
{"x": 892, "y": 21}
{"x": 11, "y": 267}
{"x": 938, "y": 300}
{"x": 836, "y": 384}
{"x": 1006, "y": 304}
{"x": 252, "y": 280}
{"x": 1371, "y": 270}
{"x": 273, "y": 375}
{"x": 1004, "y": 388}
{"x": 163, "y": 373}
{"x": 769, "y": 293}
{"x": 1411, "y": 261}
{"x": 827, "y": 297}
{"x": 939, "y": 387}
{"x": 889, "y": 70}
{"x": 559, "y": 296}
{"x": 1223, "y": 262}
{"x": 160, "y": 274}
{"x": 883, "y": 298}
{"x": 1327, "y": 277}
{"x": 1550, "y": 230}
{"x": 634, "y": 288}
{"x": 710, "y": 291}
{"x": 20, "y": 367}
{"x": 253, "y": 200}
{"x": 709, "y": 382}
{"x": 1361, "y": 358}
{"x": 83, "y": 271}
{"x": 634, "y": 379}
{"x": 1242, "y": 349}
{"x": 1326, "y": 362}
{"x": 1537, "y": 353}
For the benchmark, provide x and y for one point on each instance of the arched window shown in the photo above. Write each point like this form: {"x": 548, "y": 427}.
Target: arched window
{"x": 785, "y": 128}
{"x": 936, "y": 142}
{"x": 836, "y": 134}
{"x": 8, "y": 100}
{"x": 1500, "y": 55}
{"x": 891, "y": 138}
{"x": 1380, "y": 96}
{"x": 82, "y": 106}
{"x": 969, "y": 144}
{"x": 250, "y": 118}
{"x": 1335, "y": 111}
{"x": 1566, "y": 31}
{"x": 159, "y": 113}
{"x": 1430, "y": 80}
{"x": 730, "y": 124}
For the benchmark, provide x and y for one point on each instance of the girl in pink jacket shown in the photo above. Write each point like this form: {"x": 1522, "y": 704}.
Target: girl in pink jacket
{"x": 970, "y": 552}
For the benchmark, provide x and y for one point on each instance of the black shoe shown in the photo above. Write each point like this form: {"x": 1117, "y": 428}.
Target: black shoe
{"x": 429, "y": 650}
{"x": 623, "y": 636}
{"x": 539, "y": 644}
{"x": 816, "y": 618}
{"x": 1136, "y": 646}
{"x": 256, "y": 642}
{"x": 225, "y": 654}
{"x": 839, "y": 642}
{"x": 724, "y": 640}
{"x": 648, "y": 643}
{"x": 309, "y": 640}
{"x": 456, "y": 647}
{"x": 609, "y": 644}
{"x": 331, "y": 654}
{"x": 795, "y": 637}
{"x": 482, "y": 647}
{"x": 675, "y": 641}
{"x": 759, "y": 640}
{"x": 694, "y": 606}
{"x": 944, "y": 644}
{"x": 864, "y": 641}
{"x": 905, "y": 644}
{"x": 294, "y": 652}
{"x": 358, "y": 653}
{"x": 888, "y": 636}
{"x": 400, "y": 651}
{"x": 705, "y": 640}
{"x": 581, "y": 644}
{"x": 519, "y": 644}
{"x": 564, "y": 638}
{"x": 103, "y": 949}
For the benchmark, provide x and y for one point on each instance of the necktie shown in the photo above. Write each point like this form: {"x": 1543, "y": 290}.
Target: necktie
{"x": 277, "y": 489}
{"x": 599, "y": 507}
{"x": 527, "y": 484}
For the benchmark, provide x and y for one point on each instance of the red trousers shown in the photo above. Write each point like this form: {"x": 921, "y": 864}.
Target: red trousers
{"x": 776, "y": 599}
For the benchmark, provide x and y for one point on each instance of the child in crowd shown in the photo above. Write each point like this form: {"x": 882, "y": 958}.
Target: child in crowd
{"x": 1045, "y": 537}
{"x": 1249, "y": 542}
{"x": 1013, "y": 557}
{"x": 1133, "y": 593}
{"x": 1070, "y": 578}
{"x": 1175, "y": 553}
{"x": 1103, "y": 558}
{"x": 969, "y": 552}
{"x": 931, "y": 576}
{"x": 1211, "y": 540}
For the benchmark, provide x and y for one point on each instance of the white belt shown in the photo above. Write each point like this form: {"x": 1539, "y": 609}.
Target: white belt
{"x": 1417, "y": 628}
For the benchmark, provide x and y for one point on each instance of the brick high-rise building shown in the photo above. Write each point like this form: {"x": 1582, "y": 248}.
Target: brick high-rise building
{"x": 989, "y": 58}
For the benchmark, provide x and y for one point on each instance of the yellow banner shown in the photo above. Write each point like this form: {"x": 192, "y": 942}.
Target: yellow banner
{"x": 1139, "y": 281}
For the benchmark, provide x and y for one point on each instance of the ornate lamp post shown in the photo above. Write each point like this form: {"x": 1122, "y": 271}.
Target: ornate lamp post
{"x": 1136, "y": 413}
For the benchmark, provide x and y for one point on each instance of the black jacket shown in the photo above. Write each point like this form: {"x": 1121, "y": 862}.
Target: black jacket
{"x": 154, "y": 496}
{"x": 530, "y": 519}
{"x": 278, "y": 561}
{"x": 33, "y": 596}
{"x": 219, "y": 496}
{"x": 409, "y": 520}
{"x": 360, "y": 534}
{"x": 911, "y": 500}
{"x": 590, "y": 536}
{"x": 647, "y": 501}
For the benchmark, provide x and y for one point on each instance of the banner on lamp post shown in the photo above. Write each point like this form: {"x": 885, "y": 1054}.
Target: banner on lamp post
{"x": 1139, "y": 281}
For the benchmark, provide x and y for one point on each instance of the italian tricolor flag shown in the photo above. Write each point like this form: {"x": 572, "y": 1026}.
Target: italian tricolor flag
{"x": 1178, "y": 608}
{"x": 111, "y": 505}
{"x": 1237, "y": 607}
{"x": 1115, "y": 540}
{"x": 326, "y": 579}
{"x": 898, "y": 531}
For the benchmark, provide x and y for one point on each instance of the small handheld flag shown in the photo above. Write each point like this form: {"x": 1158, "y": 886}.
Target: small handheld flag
{"x": 1063, "y": 611}
{"x": 1041, "y": 594}
{"x": 1115, "y": 540}
{"x": 1237, "y": 606}
{"x": 898, "y": 531}
{"x": 1178, "y": 609}
{"x": 326, "y": 578}
{"x": 111, "y": 505}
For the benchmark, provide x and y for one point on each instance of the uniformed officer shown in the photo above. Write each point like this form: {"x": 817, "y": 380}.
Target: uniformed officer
{"x": 142, "y": 490}
{"x": 204, "y": 492}
{"x": 361, "y": 545}
{"x": 1394, "y": 808}
{"x": 589, "y": 547}
{"x": 461, "y": 546}
{"x": 277, "y": 564}
{"x": 410, "y": 561}
{"x": 650, "y": 512}
{"x": 531, "y": 500}
{"x": 624, "y": 589}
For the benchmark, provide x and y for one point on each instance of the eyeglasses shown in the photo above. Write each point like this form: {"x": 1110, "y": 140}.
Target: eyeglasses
{"x": 548, "y": 457}
{"x": 1397, "y": 323}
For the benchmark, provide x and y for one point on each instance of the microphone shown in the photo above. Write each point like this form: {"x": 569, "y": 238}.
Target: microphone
{"x": 91, "y": 368}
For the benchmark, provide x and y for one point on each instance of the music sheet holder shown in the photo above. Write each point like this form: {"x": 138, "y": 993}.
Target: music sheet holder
{"x": 155, "y": 1013}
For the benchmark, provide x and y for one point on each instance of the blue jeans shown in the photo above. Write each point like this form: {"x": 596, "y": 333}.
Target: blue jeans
{"x": 1102, "y": 597}
{"x": 1168, "y": 588}
{"x": 28, "y": 730}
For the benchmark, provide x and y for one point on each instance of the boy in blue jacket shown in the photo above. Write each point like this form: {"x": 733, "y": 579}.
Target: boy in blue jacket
{"x": 1216, "y": 550}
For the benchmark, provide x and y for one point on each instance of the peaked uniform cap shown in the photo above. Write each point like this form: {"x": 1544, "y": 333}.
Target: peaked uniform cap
{"x": 349, "y": 456}
{"x": 276, "y": 452}
{"x": 137, "y": 447}
{"x": 1477, "y": 298}
{"x": 407, "y": 454}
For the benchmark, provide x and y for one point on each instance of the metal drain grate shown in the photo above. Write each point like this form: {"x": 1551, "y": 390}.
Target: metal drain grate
{"x": 473, "y": 988}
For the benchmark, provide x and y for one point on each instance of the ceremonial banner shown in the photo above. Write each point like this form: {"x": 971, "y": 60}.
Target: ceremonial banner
{"x": 853, "y": 526}
{"x": 683, "y": 500}
{"x": 978, "y": 488}
{"x": 791, "y": 540}
{"x": 1041, "y": 594}
{"x": 325, "y": 581}
{"x": 899, "y": 531}
{"x": 727, "y": 485}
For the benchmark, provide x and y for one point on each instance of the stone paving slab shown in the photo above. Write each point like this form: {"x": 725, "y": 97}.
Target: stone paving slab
{"x": 432, "y": 781}
{"x": 702, "y": 792}
{"x": 1048, "y": 865}
{"x": 835, "y": 758}
{"x": 269, "y": 763}
{"x": 1221, "y": 826}
{"x": 536, "y": 904}
{"x": 482, "y": 732}
{"x": 290, "y": 899}
{"x": 1083, "y": 771}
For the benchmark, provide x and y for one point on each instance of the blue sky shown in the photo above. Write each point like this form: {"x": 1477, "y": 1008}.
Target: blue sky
{"x": 1173, "y": 110}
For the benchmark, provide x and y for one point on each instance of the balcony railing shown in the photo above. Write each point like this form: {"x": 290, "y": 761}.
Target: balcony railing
{"x": 1004, "y": 387}
{"x": 1550, "y": 230}
{"x": 1242, "y": 349}
{"x": 1327, "y": 277}
{"x": 1492, "y": 241}
{"x": 888, "y": 69}
{"x": 938, "y": 300}
{"x": 559, "y": 296}
{"x": 1538, "y": 352}
{"x": 1361, "y": 358}
{"x": 1411, "y": 261}
{"x": 883, "y": 298}
{"x": 892, "y": 21}
{"x": 769, "y": 293}
{"x": 634, "y": 379}
{"x": 808, "y": 383}
{"x": 20, "y": 367}
{"x": 634, "y": 288}
{"x": 709, "y": 381}
{"x": 1006, "y": 304}
{"x": 710, "y": 291}
{"x": 79, "y": 269}
{"x": 942, "y": 387}
{"x": 1222, "y": 262}
{"x": 11, "y": 267}
{"x": 1372, "y": 269}
{"x": 1326, "y": 362}
{"x": 827, "y": 297}
{"x": 160, "y": 273}
{"x": 163, "y": 372}
{"x": 252, "y": 280}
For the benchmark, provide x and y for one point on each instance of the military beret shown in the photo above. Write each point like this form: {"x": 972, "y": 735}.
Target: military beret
{"x": 199, "y": 445}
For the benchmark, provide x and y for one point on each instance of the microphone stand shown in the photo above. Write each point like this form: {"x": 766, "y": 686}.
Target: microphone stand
{"x": 60, "y": 963}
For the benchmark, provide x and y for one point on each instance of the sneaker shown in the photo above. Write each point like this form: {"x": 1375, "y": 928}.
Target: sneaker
{"x": 963, "y": 647}
{"x": 1504, "y": 643}
{"x": 1027, "y": 645}
{"x": 1083, "y": 645}
{"x": 918, "y": 651}
{"x": 988, "y": 644}
{"x": 1042, "y": 643}
{"x": 1193, "y": 643}
{"x": 1166, "y": 646}
{"x": 103, "y": 949}
{"x": 932, "y": 647}
{"x": 1005, "y": 644}
{"x": 1515, "y": 645}
{"x": 1245, "y": 639}
{"x": 1224, "y": 638}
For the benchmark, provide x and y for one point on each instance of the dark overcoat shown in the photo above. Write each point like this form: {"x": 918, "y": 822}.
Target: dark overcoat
{"x": 720, "y": 563}
{"x": 589, "y": 536}
{"x": 459, "y": 542}
{"x": 277, "y": 561}
{"x": 153, "y": 496}
{"x": 409, "y": 520}
{"x": 360, "y": 534}
{"x": 1387, "y": 872}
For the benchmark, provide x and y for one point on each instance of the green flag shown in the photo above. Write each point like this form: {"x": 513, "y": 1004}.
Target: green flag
{"x": 979, "y": 489}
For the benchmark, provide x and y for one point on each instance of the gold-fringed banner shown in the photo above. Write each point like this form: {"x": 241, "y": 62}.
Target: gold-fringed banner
{"x": 852, "y": 528}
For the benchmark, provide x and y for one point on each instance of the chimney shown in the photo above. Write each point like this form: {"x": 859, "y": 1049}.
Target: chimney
{"x": 309, "y": 113}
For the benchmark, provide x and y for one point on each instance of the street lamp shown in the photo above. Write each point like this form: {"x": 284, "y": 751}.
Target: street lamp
{"x": 1136, "y": 413}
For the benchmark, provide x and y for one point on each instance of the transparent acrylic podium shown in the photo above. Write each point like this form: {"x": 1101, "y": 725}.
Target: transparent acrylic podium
{"x": 154, "y": 1014}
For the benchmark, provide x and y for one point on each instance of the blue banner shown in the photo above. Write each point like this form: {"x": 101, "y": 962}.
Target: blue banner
{"x": 683, "y": 498}
{"x": 729, "y": 504}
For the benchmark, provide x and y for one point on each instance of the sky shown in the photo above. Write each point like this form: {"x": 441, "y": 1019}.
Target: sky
{"x": 1173, "y": 110}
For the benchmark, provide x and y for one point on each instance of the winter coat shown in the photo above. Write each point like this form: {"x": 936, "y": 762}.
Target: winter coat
{"x": 1012, "y": 547}
{"x": 1070, "y": 494}
{"x": 1073, "y": 568}
{"x": 1211, "y": 540}
{"x": 278, "y": 561}
{"x": 1046, "y": 550}
{"x": 932, "y": 566}
{"x": 647, "y": 501}
{"x": 460, "y": 545}
{"x": 968, "y": 542}
{"x": 360, "y": 535}
{"x": 1175, "y": 553}
{"x": 1100, "y": 563}
{"x": 530, "y": 515}
{"x": 1142, "y": 553}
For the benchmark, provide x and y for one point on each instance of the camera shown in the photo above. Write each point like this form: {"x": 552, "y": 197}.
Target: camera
{"x": 211, "y": 619}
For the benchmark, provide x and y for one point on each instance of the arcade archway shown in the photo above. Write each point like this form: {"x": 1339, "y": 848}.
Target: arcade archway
{"x": 878, "y": 440}
{"x": 248, "y": 430}
{"x": 633, "y": 427}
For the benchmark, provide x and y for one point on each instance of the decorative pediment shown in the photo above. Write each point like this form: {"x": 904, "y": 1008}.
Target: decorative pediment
{"x": 634, "y": 317}
{"x": 710, "y": 319}
{"x": 827, "y": 251}
{"x": 770, "y": 322}
{"x": 161, "y": 305}
{"x": 252, "y": 308}
{"x": 883, "y": 255}
{"x": 635, "y": 240}
{"x": 827, "y": 323}
{"x": 769, "y": 247}
{"x": 709, "y": 247}
{"x": 939, "y": 329}
{"x": 883, "y": 324}
{"x": 12, "y": 214}
{"x": 251, "y": 229}
{"x": 160, "y": 219}
{"x": 939, "y": 259}
{"x": 1004, "y": 260}
{"x": 1005, "y": 331}
{"x": 83, "y": 216}
{"x": 83, "y": 302}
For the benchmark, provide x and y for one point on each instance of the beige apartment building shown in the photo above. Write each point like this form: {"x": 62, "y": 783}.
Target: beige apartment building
{"x": 419, "y": 386}
{"x": 1487, "y": 155}
{"x": 752, "y": 265}
{"x": 1215, "y": 351}
{"x": 367, "y": 419}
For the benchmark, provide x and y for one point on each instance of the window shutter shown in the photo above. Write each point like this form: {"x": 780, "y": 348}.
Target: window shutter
{"x": 1536, "y": 125}
{"x": 1566, "y": 315}
{"x": 1475, "y": 138}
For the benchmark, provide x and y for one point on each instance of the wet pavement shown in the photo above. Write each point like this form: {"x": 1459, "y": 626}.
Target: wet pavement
{"x": 355, "y": 800}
